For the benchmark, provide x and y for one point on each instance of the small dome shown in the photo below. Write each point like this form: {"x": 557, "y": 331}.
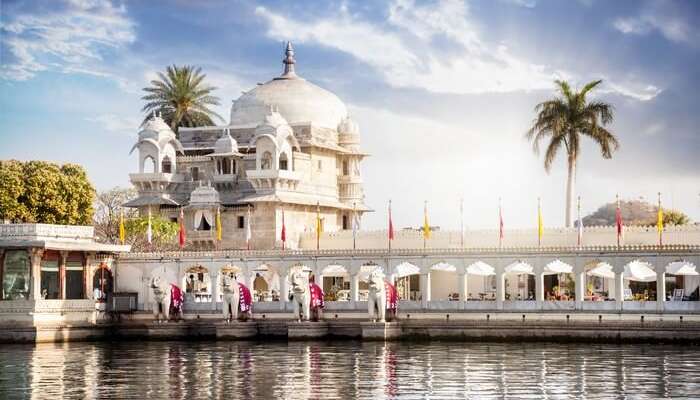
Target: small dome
{"x": 226, "y": 145}
{"x": 204, "y": 195}
{"x": 155, "y": 128}
{"x": 348, "y": 126}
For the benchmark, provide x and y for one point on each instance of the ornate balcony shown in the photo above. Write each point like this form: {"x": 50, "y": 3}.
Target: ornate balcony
{"x": 273, "y": 178}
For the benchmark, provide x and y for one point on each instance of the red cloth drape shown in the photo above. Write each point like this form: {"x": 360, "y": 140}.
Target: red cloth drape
{"x": 392, "y": 297}
{"x": 316, "y": 295}
{"x": 245, "y": 300}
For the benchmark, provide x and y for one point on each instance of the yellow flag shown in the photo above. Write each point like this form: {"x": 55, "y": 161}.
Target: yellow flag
{"x": 540, "y": 225}
{"x": 319, "y": 226}
{"x": 660, "y": 220}
{"x": 426, "y": 224}
{"x": 122, "y": 231}
{"x": 218, "y": 224}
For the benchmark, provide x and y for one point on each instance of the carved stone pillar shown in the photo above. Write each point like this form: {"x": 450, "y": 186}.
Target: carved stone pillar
{"x": 660, "y": 286}
{"x": 62, "y": 274}
{"x": 463, "y": 287}
{"x": 213, "y": 274}
{"x": 36, "y": 255}
{"x": 355, "y": 287}
{"x": 284, "y": 288}
{"x": 580, "y": 285}
{"x": 619, "y": 286}
{"x": 539, "y": 286}
{"x": 89, "y": 271}
{"x": 500, "y": 287}
{"x": 425, "y": 288}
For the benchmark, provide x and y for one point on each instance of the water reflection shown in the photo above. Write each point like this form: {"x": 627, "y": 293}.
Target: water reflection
{"x": 347, "y": 369}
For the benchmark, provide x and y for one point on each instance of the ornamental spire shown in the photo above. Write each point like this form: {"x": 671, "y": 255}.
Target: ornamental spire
{"x": 289, "y": 62}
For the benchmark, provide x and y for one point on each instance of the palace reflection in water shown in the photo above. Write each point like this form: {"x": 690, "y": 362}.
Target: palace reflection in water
{"x": 348, "y": 369}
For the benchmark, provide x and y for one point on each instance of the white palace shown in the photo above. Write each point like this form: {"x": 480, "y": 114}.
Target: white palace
{"x": 290, "y": 148}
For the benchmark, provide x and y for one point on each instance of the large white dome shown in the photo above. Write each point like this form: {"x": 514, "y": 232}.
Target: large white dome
{"x": 296, "y": 99}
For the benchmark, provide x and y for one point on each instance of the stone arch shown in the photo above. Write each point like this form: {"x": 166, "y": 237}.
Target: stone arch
{"x": 519, "y": 277}
{"x": 197, "y": 284}
{"x": 336, "y": 282}
{"x": 443, "y": 281}
{"x": 267, "y": 279}
{"x": 226, "y": 270}
{"x": 639, "y": 280}
{"x": 284, "y": 162}
{"x": 481, "y": 281}
{"x": 102, "y": 283}
{"x": 600, "y": 279}
{"x": 408, "y": 281}
{"x": 682, "y": 280}
{"x": 148, "y": 165}
{"x": 558, "y": 280}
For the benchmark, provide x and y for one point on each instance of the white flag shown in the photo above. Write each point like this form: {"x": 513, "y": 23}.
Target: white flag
{"x": 248, "y": 233}
{"x": 580, "y": 223}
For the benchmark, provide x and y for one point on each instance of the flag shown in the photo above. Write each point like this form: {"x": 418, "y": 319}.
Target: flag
{"x": 182, "y": 229}
{"x": 283, "y": 237}
{"x": 500, "y": 223}
{"x": 660, "y": 222}
{"x": 149, "y": 230}
{"x": 540, "y": 226}
{"x": 218, "y": 224}
{"x": 426, "y": 225}
{"x": 319, "y": 226}
{"x": 618, "y": 220}
{"x": 580, "y": 223}
{"x": 248, "y": 232}
{"x": 122, "y": 230}
{"x": 391, "y": 225}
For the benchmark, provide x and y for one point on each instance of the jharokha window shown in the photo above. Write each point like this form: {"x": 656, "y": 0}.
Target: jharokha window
{"x": 15, "y": 275}
{"x": 266, "y": 160}
{"x": 166, "y": 165}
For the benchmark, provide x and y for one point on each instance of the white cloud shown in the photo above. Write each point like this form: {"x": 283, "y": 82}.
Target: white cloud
{"x": 404, "y": 53}
{"x": 72, "y": 39}
{"x": 403, "y": 50}
{"x": 662, "y": 17}
{"x": 116, "y": 124}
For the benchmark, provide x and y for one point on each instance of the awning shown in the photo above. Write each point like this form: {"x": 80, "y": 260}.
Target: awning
{"x": 681, "y": 268}
{"x": 602, "y": 270}
{"x": 519, "y": 268}
{"x": 406, "y": 269}
{"x": 480, "y": 268}
{"x": 150, "y": 201}
{"x": 639, "y": 271}
{"x": 557, "y": 267}
{"x": 334, "y": 270}
{"x": 444, "y": 267}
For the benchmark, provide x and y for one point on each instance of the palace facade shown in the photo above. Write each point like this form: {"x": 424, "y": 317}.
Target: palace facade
{"x": 289, "y": 152}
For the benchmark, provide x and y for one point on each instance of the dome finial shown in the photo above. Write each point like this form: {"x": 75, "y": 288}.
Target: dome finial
{"x": 289, "y": 62}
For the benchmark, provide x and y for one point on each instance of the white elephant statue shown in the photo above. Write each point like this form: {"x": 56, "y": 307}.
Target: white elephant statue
{"x": 376, "y": 302}
{"x": 231, "y": 297}
{"x": 161, "y": 299}
{"x": 301, "y": 296}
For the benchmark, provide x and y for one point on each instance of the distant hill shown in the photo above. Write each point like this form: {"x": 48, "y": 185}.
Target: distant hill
{"x": 634, "y": 212}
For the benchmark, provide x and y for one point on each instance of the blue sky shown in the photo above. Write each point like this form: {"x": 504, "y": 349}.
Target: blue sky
{"x": 443, "y": 91}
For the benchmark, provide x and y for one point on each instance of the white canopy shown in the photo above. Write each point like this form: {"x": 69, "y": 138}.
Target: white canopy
{"x": 442, "y": 266}
{"x": 518, "y": 268}
{"x": 557, "y": 267}
{"x": 480, "y": 268}
{"x": 406, "y": 269}
{"x": 681, "y": 268}
{"x": 602, "y": 270}
{"x": 639, "y": 271}
{"x": 334, "y": 270}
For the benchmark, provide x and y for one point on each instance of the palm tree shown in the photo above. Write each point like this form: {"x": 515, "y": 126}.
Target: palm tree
{"x": 181, "y": 97}
{"x": 564, "y": 120}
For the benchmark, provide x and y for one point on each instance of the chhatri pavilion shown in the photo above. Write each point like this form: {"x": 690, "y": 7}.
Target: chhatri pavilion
{"x": 290, "y": 150}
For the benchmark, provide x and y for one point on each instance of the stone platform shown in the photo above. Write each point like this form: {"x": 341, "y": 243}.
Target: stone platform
{"x": 307, "y": 329}
{"x": 380, "y": 330}
{"x": 236, "y": 330}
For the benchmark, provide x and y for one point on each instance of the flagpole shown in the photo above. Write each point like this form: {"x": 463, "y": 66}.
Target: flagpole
{"x": 318, "y": 226}
{"x": 461, "y": 222}
{"x": 354, "y": 216}
{"x": 391, "y": 227}
{"x": 660, "y": 222}
{"x": 247, "y": 232}
{"x": 580, "y": 226}
{"x": 425, "y": 219}
{"x": 618, "y": 219}
{"x": 500, "y": 224}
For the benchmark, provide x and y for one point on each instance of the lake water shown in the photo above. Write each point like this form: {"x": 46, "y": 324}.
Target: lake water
{"x": 346, "y": 369}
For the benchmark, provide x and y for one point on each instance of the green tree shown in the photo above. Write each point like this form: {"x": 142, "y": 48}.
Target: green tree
{"x": 44, "y": 192}
{"x": 634, "y": 213}
{"x": 108, "y": 210}
{"x": 675, "y": 217}
{"x": 12, "y": 188}
{"x": 163, "y": 233}
{"x": 181, "y": 97}
{"x": 564, "y": 120}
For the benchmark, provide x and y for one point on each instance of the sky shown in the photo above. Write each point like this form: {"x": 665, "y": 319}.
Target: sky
{"x": 443, "y": 91}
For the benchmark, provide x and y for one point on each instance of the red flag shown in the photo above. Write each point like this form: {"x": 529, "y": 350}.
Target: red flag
{"x": 284, "y": 231}
{"x": 391, "y": 224}
{"x": 500, "y": 223}
{"x": 182, "y": 229}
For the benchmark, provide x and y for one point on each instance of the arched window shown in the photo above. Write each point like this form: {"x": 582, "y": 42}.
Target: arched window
{"x": 166, "y": 165}
{"x": 149, "y": 165}
{"x": 283, "y": 161}
{"x": 225, "y": 166}
{"x": 346, "y": 168}
{"x": 102, "y": 284}
{"x": 266, "y": 160}
{"x": 203, "y": 224}
{"x": 15, "y": 275}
